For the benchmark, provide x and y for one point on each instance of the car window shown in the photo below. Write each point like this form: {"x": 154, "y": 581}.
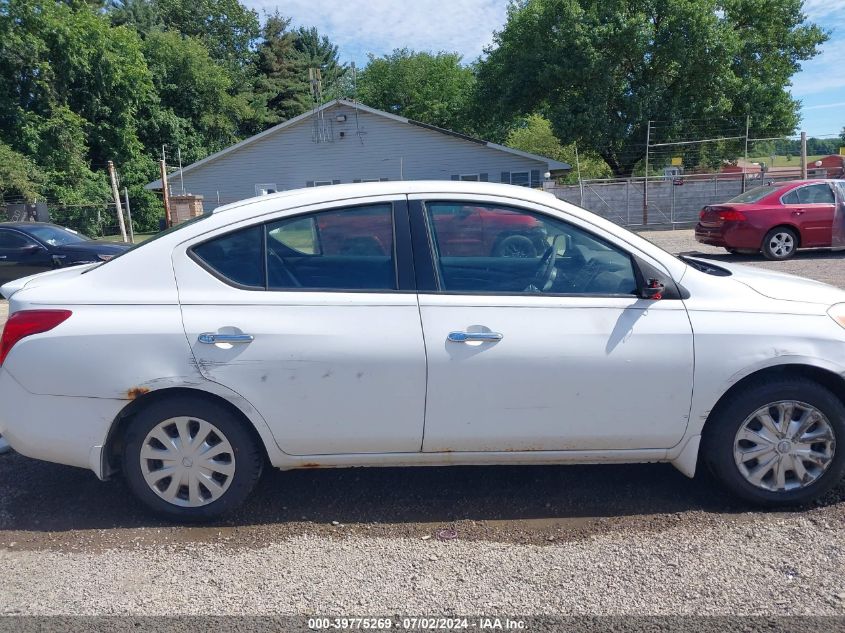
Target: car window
{"x": 347, "y": 249}
{"x": 236, "y": 256}
{"x": 753, "y": 195}
{"x": 13, "y": 239}
{"x": 57, "y": 235}
{"x": 791, "y": 197}
{"x": 815, "y": 194}
{"x": 498, "y": 249}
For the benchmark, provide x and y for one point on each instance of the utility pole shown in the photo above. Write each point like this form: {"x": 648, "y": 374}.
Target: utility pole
{"x": 745, "y": 163}
{"x": 116, "y": 194}
{"x": 129, "y": 215}
{"x": 803, "y": 156}
{"x": 578, "y": 168}
{"x": 645, "y": 181}
{"x": 165, "y": 193}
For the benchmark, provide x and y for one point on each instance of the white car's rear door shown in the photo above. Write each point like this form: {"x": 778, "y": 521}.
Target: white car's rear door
{"x": 517, "y": 363}
{"x": 330, "y": 350}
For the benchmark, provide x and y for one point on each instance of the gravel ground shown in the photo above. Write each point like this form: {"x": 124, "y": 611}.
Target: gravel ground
{"x": 639, "y": 539}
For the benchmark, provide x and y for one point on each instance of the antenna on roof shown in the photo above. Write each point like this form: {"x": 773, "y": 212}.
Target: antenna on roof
{"x": 358, "y": 131}
{"x": 322, "y": 133}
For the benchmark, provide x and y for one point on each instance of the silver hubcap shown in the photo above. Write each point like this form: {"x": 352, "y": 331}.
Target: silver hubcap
{"x": 187, "y": 461}
{"x": 784, "y": 446}
{"x": 781, "y": 244}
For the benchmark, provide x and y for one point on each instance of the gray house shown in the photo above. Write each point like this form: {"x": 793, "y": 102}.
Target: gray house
{"x": 342, "y": 142}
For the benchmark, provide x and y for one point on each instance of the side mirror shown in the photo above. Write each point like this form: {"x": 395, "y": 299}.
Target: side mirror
{"x": 653, "y": 290}
{"x": 30, "y": 249}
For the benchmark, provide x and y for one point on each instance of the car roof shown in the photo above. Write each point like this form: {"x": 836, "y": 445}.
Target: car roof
{"x": 316, "y": 195}
{"x": 24, "y": 225}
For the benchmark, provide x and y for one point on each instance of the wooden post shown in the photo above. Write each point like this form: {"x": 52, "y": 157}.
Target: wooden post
{"x": 803, "y": 156}
{"x": 165, "y": 193}
{"x": 116, "y": 194}
{"x": 129, "y": 215}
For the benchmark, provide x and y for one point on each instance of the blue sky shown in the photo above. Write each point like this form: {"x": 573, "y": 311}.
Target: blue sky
{"x": 466, "y": 26}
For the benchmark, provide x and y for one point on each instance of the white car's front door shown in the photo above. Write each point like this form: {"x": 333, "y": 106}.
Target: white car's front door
{"x": 547, "y": 348}
{"x": 313, "y": 319}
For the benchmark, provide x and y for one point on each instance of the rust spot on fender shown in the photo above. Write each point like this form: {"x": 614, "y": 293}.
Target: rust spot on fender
{"x": 311, "y": 465}
{"x": 136, "y": 392}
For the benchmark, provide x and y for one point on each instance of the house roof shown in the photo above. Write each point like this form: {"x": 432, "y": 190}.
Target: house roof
{"x": 554, "y": 165}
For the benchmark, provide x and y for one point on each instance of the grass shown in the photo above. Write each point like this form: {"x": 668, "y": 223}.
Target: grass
{"x": 782, "y": 161}
{"x": 139, "y": 237}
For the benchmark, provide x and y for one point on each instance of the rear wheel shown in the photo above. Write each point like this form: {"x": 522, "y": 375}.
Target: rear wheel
{"x": 190, "y": 459}
{"x": 780, "y": 243}
{"x": 775, "y": 442}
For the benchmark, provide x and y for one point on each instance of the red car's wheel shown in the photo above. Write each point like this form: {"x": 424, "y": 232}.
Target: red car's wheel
{"x": 780, "y": 243}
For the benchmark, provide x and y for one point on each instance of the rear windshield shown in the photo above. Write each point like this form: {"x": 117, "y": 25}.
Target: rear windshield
{"x": 753, "y": 195}
{"x": 172, "y": 229}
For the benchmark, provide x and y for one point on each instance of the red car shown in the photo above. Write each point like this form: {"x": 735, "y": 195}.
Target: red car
{"x": 462, "y": 231}
{"x": 773, "y": 219}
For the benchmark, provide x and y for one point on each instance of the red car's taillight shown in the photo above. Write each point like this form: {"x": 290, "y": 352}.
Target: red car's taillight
{"x": 732, "y": 216}
{"x": 27, "y": 322}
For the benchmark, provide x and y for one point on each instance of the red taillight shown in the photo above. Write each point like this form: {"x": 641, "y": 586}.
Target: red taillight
{"x": 732, "y": 216}
{"x": 27, "y": 322}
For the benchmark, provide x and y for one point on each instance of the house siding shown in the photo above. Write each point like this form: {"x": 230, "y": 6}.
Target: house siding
{"x": 291, "y": 159}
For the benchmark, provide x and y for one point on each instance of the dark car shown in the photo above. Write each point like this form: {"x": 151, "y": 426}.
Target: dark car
{"x": 27, "y": 248}
{"x": 774, "y": 219}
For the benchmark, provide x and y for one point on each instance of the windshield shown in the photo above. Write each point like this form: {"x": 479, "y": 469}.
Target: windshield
{"x": 753, "y": 195}
{"x": 57, "y": 235}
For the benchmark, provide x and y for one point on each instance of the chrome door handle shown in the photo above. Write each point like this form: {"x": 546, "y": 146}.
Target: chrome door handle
{"x": 2, "y": 257}
{"x": 463, "y": 337}
{"x": 211, "y": 338}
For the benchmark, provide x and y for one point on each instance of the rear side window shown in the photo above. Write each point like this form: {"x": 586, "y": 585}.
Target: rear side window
{"x": 815, "y": 194}
{"x": 348, "y": 249}
{"x": 237, "y": 256}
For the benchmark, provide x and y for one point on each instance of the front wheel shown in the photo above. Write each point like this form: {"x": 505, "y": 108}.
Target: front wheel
{"x": 775, "y": 442}
{"x": 190, "y": 459}
{"x": 780, "y": 243}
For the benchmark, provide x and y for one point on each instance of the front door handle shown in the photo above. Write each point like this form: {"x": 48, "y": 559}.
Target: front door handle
{"x": 211, "y": 338}
{"x": 463, "y": 337}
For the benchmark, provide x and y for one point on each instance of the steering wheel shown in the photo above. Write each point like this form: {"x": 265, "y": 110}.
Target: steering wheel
{"x": 546, "y": 271}
{"x": 283, "y": 265}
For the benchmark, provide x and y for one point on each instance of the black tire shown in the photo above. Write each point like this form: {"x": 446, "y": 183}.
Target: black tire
{"x": 247, "y": 455}
{"x": 519, "y": 246}
{"x": 776, "y": 244}
{"x": 724, "y": 423}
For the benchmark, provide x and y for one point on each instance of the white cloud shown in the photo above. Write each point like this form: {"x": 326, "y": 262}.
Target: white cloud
{"x": 378, "y": 26}
{"x": 824, "y": 106}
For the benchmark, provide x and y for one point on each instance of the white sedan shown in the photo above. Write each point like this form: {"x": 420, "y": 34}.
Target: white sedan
{"x": 419, "y": 323}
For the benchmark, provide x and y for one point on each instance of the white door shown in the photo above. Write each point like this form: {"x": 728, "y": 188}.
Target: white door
{"x": 325, "y": 344}
{"x": 550, "y": 348}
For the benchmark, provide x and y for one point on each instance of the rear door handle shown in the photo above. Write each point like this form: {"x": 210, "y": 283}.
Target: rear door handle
{"x": 211, "y": 338}
{"x": 463, "y": 337}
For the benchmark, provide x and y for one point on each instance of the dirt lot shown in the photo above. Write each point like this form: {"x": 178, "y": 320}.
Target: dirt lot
{"x": 531, "y": 540}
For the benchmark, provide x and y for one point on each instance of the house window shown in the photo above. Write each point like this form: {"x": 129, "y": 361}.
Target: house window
{"x": 322, "y": 183}
{"x": 470, "y": 177}
{"x": 521, "y": 178}
{"x": 262, "y": 189}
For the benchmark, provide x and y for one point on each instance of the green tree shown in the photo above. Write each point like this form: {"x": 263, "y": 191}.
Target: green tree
{"x": 317, "y": 51}
{"x": 281, "y": 88}
{"x": 227, "y": 28}
{"x": 20, "y": 178}
{"x": 601, "y": 70}
{"x": 433, "y": 88}
{"x": 534, "y": 134}
{"x": 194, "y": 110}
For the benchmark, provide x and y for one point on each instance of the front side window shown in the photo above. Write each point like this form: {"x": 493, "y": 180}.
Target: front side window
{"x": 487, "y": 249}
{"x": 348, "y": 249}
